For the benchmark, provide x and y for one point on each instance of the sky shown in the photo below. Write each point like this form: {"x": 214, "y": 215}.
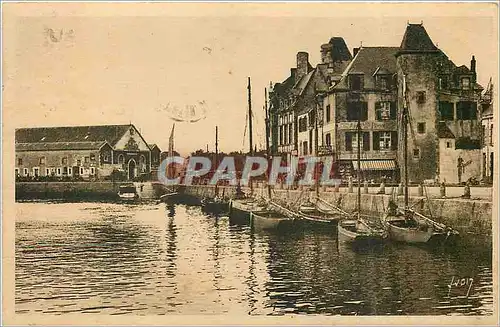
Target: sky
{"x": 115, "y": 64}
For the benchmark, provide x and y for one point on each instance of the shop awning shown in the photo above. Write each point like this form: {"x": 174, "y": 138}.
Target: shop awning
{"x": 375, "y": 164}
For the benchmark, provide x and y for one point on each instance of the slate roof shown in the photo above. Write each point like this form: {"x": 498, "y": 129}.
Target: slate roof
{"x": 417, "y": 39}
{"x": 444, "y": 132}
{"x": 303, "y": 82}
{"x": 369, "y": 59}
{"x": 462, "y": 70}
{"x": 74, "y": 134}
{"x": 54, "y": 146}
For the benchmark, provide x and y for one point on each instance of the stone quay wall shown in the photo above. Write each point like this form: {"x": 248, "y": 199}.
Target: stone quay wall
{"x": 468, "y": 216}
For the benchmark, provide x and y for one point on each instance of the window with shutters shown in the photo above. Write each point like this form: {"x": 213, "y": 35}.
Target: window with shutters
{"x": 384, "y": 141}
{"x": 328, "y": 113}
{"x": 466, "y": 110}
{"x": 348, "y": 141}
{"x": 446, "y": 110}
{"x": 465, "y": 83}
{"x": 416, "y": 153}
{"x": 356, "y": 82}
{"x": 351, "y": 141}
{"x": 385, "y": 110}
{"x": 328, "y": 139}
{"x": 491, "y": 134}
{"x": 356, "y": 108}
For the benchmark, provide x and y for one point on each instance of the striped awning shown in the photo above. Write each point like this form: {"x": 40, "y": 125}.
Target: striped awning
{"x": 375, "y": 164}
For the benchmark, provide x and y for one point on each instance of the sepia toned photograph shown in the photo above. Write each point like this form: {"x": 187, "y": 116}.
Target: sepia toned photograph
{"x": 249, "y": 163}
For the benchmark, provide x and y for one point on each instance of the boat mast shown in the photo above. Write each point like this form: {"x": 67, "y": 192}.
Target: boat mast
{"x": 404, "y": 129}
{"x": 250, "y": 126}
{"x": 358, "y": 127}
{"x": 216, "y": 155}
{"x": 316, "y": 152}
{"x": 267, "y": 139}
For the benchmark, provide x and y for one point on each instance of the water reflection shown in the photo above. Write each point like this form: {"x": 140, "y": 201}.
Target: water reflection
{"x": 162, "y": 259}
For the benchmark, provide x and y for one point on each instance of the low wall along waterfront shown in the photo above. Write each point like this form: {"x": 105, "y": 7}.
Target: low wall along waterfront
{"x": 77, "y": 190}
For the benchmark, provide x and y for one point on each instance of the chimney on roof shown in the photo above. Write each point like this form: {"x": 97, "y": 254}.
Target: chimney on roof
{"x": 355, "y": 51}
{"x": 326, "y": 53}
{"x": 302, "y": 65}
{"x": 473, "y": 68}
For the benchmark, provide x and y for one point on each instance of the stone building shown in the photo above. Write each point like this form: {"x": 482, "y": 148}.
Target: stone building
{"x": 294, "y": 102}
{"x": 443, "y": 100}
{"x": 88, "y": 152}
{"x": 488, "y": 145}
{"x": 440, "y": 97}
{"x": 366, "y": 88}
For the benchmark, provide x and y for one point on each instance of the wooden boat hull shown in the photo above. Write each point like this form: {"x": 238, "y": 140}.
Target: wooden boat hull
{"x": 420, "y": 233}
{"x": 239, "y": 210}
{"x": 318, "y": 218}
{"x": 347, "y": 234}
{"x": 216, "y": 207}
{"x": 169, "y": 197}
{"x": 269, "y": 220}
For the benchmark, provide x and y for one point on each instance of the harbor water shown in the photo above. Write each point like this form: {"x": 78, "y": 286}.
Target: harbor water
{"x": 158, "y": 259}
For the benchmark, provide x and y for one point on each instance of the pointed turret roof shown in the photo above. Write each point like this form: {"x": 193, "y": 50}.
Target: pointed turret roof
{"x": 340, "y": 52}
{"x": 416, "y": 39}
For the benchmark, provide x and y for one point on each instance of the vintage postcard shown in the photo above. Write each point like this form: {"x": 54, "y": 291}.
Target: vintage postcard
{"x": 250, "y": 163}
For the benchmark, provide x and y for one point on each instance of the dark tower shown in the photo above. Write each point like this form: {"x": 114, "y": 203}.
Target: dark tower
{"x": 417, "y": 62}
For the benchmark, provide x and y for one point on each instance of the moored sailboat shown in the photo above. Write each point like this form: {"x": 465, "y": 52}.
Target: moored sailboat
{"x": 403, "y": 223}
{"x": 216, "y": 204}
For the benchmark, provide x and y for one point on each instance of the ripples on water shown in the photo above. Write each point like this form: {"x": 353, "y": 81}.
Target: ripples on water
{"x": 157, "y": 259}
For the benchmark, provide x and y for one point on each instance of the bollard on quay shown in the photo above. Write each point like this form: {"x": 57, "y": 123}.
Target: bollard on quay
{"x": 442, "y": 190}
{"x": 365, "y": 186}
{"x": 420, "y": 190}
{"x": 466, "y": 194}
{"x": 400, "y": 189}
{"x": 382, "y": 188}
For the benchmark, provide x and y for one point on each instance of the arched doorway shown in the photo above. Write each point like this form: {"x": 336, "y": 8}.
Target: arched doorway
{"x": 131, "y": 169}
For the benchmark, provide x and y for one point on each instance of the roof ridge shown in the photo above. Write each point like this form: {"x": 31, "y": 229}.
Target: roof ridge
{"x": 76, "y": 126}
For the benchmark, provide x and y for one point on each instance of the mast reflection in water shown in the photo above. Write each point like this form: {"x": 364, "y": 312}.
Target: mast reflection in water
{"x": 163, "y": 259}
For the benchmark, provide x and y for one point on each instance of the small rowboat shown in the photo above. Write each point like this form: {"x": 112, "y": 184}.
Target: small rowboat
{"x": 128, "y": 193}
{"x": 359, "y": 232}
{"x": 215, "y": 205}
{"x": 240, "y": 209}
{"x": 269, "y": 220}
{"x": 410, "y": 226}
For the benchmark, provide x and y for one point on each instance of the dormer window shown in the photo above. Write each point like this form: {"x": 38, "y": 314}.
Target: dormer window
{"x": 356, "y": 82}
{"x": 131, "y": 131}
{"x": 443, "y": 82}
{"x": 384, "y": 82}
{"x": 465, "y": 83}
